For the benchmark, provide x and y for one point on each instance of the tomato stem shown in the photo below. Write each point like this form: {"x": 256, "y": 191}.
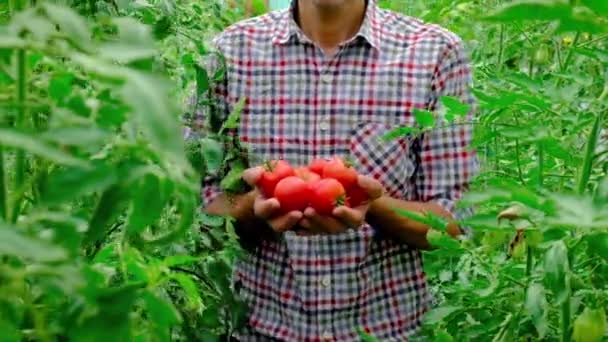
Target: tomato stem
{"x": 590, "y": 154}
{"x": 566, "y": 320}
{"x": 3, "y": 189}
{"x": 20, "y": 124}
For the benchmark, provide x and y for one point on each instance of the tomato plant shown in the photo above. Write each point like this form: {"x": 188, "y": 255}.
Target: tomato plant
{"x": 101, "y": 236}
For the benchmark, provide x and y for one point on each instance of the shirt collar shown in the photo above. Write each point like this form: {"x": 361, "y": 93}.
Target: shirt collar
{"x": 286, "y": 26}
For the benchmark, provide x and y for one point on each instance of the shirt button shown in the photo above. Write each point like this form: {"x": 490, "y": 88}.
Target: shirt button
{"x": 326, "y": 281}
{"x": 327, "y": 336}
{"x": 324, "y": 125}
{"x": 326, "y": 78}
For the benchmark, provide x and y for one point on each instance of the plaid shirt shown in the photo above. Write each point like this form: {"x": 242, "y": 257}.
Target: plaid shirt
{"x": 301, "y": 105}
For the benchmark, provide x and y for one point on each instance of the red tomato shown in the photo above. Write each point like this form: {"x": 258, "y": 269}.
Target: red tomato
{"x": 356, "y": 196}
{"x": 317, "y": 166}
{"x": 340, "y": 171}
{"x": 327, "y": 194}
{"x": 293, "y": 193}
{"x": 274, "y": 171}
{"x": 306, "y": 174}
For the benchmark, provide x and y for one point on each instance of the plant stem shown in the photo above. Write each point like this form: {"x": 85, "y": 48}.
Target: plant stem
{"x": 529, "y": 259}
{"x": 3, "y": 190}
{"x": 570, "y": 52}
{"x": 541, "y": 157}
{"x": 590, "y": 154}
{"x": 566, "y": 320}
{"x": 501, "y": 46}
{"x": 20, "y": 125}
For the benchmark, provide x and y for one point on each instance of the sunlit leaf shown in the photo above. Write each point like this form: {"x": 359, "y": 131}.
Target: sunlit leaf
{"x": 67, "y": 184}
{"x": 213, "y": 154}
{"x": 32, "y": 144}
{"x": 556, "y": 271}
{"x": 439, "y": 314}
{"x": 71, "y": 23}
{"x": 424, "y": 118}
{"x": 13, "y": 243}
{"x": 532, "y": 10}
{"x": 537, "y": 308}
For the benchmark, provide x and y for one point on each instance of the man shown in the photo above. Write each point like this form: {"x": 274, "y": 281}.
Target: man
{"x": 331, "y": 78}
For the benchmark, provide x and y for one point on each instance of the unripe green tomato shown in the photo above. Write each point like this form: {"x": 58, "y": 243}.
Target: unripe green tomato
{"x": 541, "y": 55}
{"x": 519, "y": 250}
{"x": 590, "y": 326}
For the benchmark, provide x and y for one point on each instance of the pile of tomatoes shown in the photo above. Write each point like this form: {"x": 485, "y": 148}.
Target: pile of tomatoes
{"x": 323, "y": 185}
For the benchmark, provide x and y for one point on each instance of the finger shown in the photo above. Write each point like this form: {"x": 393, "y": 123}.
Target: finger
{"x": 265, "y": 208}
{"x": 372, "y": 186}
{"x": 327, "y": 224}
{"x": 285, "y": 222}
{"x": 309, "y": 227}
{"x": 351, "y": 217}
{"x": 252, "y": 175}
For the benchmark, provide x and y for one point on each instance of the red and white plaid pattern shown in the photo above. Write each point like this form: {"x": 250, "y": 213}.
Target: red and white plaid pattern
{"x": 301, "y": 105}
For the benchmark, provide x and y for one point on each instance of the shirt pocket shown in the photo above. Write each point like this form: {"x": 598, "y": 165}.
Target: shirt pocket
{"x": 388, "y": 160}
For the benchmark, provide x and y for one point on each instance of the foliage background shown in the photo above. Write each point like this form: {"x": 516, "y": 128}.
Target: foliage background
{"x": 100, "y": 233}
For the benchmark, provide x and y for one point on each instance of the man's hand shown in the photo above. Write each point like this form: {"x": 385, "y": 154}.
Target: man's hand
{"x": 342, "y": 217}
{"x": 267, "y": 208}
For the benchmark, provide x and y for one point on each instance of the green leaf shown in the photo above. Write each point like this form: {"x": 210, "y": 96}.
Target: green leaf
{"x": 234, "y": 179}
{"x": 134, "y": 42}
{"x": 213, "y": 154}
{"x": 32, "y": 144}
{"x": 599, "y": 6}
{"x": 232, "y": 122}
{"x": 13, "y": 243}
{"x": 111, "y": 204}
{"x": 73, "y": 25}
{"x": 150, "y": 195}
{"x": 537, "y": 308}
{"x": 148, "y": 97}
{"x": 424, "y": 118}
{"x": 68, "y": 184}
{"x": 365, "y": 337}
{"x": 598, "y": 245}
{"x": 90, "y": 138}
{"x": 175, "y": 260}
{"x": 439, "y": 314}
{"x": 162, "y": 314}
{"x": 531, "y": 10}
{"x": 60, "y": 86}
{"x": 399, "y": 132}
{"x": 556, "y": 271}
{"x": 443, "y": 336}
{"x": 454, "y": 105}
{"x": 190, "y": 289}
{"x": 202, "y": 80}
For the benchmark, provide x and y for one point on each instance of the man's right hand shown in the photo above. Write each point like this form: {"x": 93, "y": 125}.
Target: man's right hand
{"x": 268, "y": 208}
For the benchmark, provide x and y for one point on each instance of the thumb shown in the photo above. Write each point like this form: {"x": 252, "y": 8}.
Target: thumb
{"x": 252, "y": 175}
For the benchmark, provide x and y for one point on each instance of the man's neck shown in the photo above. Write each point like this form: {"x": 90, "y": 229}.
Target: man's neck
{"x": 328, "y": 26}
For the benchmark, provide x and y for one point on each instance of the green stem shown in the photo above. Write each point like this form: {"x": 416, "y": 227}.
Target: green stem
{"x": 529, "y": 259}
{"x": 501, "y": 46}
{"x": 20, "y": 125}
{"x": 518, "y": 160}
{"x": 3, "y": 190}
{"x": 566, "y": 320}
{"x": 570, "y": 52}
{"x": 590, "y": 154}
{"x": 541, "y": 157}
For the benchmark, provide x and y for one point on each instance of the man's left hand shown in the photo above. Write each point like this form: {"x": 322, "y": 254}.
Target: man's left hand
{"x": 342, "y": 218}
